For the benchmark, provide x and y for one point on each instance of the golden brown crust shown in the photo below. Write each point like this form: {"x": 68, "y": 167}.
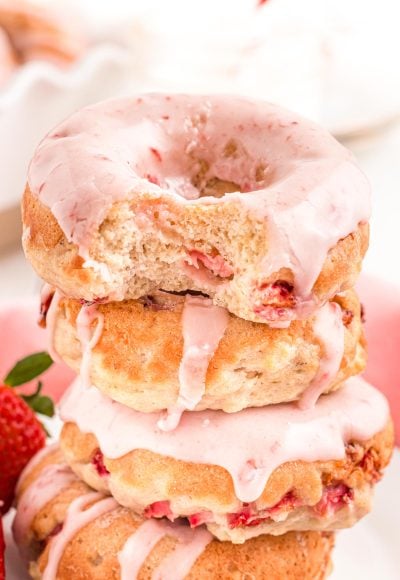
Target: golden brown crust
{"x": 137, "y": 358}
{"x": 142, "y": 478}
{"x": 57, "y": 261}
{"x": 92, "y": 552}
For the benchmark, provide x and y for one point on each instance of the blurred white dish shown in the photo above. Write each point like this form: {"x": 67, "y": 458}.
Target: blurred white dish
{"x": 40, "y": 95}
{"x": 332, "y": 60}
{"x": 370, "y": 550}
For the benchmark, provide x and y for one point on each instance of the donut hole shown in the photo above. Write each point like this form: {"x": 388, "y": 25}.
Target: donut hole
{"x": 215, "y": 187}
{"x": 195, "y": 159}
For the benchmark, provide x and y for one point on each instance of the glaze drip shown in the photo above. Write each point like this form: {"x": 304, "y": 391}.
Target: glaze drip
{"x": 78, "y": 516}
{"x": 51, "y": 481}
{"x": 191, "y": 544}
{"x": 52, "y": 297}
{"x": 88, "y": 338}
{"x": 138, "y": 547}
{"x": 329, "y": 329}
{"x": 36, "y": 459}
{"x": 177, "y": 564}
{"x": 274, "y": 435}
{"x": 203, "y": 326}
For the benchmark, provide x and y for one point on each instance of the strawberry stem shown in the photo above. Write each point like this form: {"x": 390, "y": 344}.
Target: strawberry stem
{"x": 40, "y": 403}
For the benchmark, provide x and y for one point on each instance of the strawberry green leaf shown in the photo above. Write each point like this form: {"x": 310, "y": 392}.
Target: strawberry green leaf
{"x": 40, "y": 403}
{"x": 43, "y": 405}
{"x": 28, "y": 368}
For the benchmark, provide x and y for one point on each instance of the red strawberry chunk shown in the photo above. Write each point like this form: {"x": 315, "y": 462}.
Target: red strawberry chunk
{"x": 152, "y": 179}
{"x": 333, "y": 498}
{"x": 279, "y": 292}
{"x": 98, "y": 462}
{"x": 156, "y": 154}
{"x": 216, "y": 264}
{"x": 250, "y": 517}
{"x": 200, "y": 518}
{"x": 2, "y": 550}
{"x": 158, "y": 509}
{"x": 56, "y": 530}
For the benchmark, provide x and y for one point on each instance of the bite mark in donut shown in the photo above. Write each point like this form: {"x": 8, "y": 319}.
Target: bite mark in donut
{"x": 269, "y": 191}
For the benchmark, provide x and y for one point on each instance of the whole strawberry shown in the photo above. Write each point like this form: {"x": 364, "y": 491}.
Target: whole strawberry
{"x": 2, "y": 550}
{"x": 21, "y": 433}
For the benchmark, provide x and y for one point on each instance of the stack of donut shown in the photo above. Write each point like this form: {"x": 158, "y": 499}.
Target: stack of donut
{"x": 199, "y": 255}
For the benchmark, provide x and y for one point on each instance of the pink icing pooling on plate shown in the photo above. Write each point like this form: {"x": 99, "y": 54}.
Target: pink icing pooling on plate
{"x": 191, "y": 543}
{"x": 203, "y": 326}
{"x": 88, "y": 338}
{"x": 51, "y": 481}
{"x": 274, "y": 435}
{"x": 292, "y": 176}
{"x": 77, "y": 518}
{"x": 329, "y": 328}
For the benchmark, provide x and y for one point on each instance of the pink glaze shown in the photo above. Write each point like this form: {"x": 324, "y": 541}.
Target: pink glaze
{"x": 177, "y": 564}
{"x": 36, "y": 459}
{"x": 51, "y": 481}
{"x": 88, "y": 338}
{"x": 46, "y": 291}
{"x": 203, "y": 326}
{"x": 292, "y": 176}
{"x": 191, "y": 544}
{"x": 249, "y": 444}
{"x": 139, "y": 545}
{"x": 329, "y": 329}
{"x": 77, "y": 518}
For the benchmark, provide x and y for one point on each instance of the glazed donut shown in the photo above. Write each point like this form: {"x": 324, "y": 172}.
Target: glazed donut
{"x": 67, "y": 530}
{"x": 256, "y": 207}
{"x": 293, "y": 470}
{"x": 40, "y": 33}
{"x": 144, "y": 347}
